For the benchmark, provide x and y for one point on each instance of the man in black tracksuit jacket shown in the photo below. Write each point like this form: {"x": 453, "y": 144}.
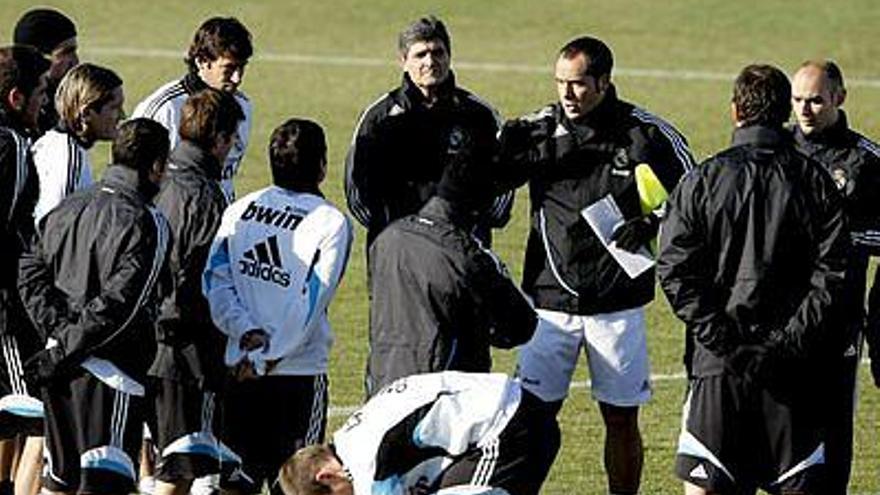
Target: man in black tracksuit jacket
{"x": 402, "y": 141}
{"x": 20, "y": 70}
{"x": 188, "y": 370}
{"x": 752, "y": 259}
{"x": 573, "y": 154}
{"x": 90, "y": 285}
{"x": 823, "y": 133}
{"x": 439, "y": 299}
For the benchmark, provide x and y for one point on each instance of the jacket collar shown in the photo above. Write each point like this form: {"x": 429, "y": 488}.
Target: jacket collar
{"x": 438, "y": 208}
{"x": 837, "y": 134}
{"x": 596, "y": 121}
{"x": 192, "y": 83}
{"x": 128, "y": 181}
{"x": 412, "y": 96}
{"x": 759, "y": 135}
{"x": 189, "y": 157}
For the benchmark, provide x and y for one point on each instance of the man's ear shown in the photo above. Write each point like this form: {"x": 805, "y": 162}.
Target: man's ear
{"x": 325, "y": 475}
{"x": 840, "y": 97}
{"x": 16, "y": 99}
{"x": 734, "y": 114}
{"x": 603, "y": 82}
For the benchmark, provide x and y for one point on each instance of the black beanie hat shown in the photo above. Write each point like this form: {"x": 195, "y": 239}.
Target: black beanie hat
{"x": 43, "y": 29}
{"x": 467, "y": 177}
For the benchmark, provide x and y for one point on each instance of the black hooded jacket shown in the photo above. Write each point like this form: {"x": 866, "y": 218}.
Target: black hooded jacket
{"x": 190, "y": 347}
{"x": 438, "y": 299}
{"x": 90, "y": 280}
{"x": 754, "y": 242}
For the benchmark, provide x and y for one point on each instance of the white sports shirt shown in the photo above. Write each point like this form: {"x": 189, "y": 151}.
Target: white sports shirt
{"x": 63, "y": 166}
{"x": 164, "y": 106}
{"x": 450, "y": 410}
{"x": 275, "y": 264}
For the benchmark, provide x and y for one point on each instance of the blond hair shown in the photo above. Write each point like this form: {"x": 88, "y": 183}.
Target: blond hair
{"x": 84, "y": 87}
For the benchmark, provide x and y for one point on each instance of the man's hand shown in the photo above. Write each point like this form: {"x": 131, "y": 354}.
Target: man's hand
{"x": 253, "y": 340}
{"x": 528, "y": 138}
{"x": 43, "y": 366}
{"x": 636, "y": 233}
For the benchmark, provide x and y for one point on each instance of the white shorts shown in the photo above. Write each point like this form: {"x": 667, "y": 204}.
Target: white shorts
{"x": 616, "y": 349}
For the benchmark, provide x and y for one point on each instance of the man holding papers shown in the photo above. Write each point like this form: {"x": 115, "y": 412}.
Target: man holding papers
{"x": 583, "y": 149}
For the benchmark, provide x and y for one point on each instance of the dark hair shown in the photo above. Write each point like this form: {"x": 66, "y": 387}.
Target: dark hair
{"x": 43, "y": 29}
{"x": 220, "y": 37}
{"x": 832, "y": 73}
{"x": 762, "y": 95}
{"x": 468, "y": 175}
{"x": 208, "y": 114}
{"x": 599, "y": 56}
{"x": 21, "y": 67}
{"x": 139, "y": 144}
{"x": 297, "y": 151}
{"x": 425, "y": 29}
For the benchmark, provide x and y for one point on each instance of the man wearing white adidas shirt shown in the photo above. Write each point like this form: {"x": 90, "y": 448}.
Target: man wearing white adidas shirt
{"x": 272, "y": 270}
{"x": 440, "y": 433}
{"x": 217, "y": 58}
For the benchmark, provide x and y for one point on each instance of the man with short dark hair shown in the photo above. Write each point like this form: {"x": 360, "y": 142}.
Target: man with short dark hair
{"x": 188, "y": 371}
{"x": 592, "y": 148}
{"x": 752, "y": 259}
{"x": 401, "y": 141}
{"x": 54, "y": 35}
{"x": 22, "y": 93}
{"x": 822, "y": 132}
{"x": 90, "y": 286}
{"x": 438, "y": 298}
{"x": 439, "y": 433}
{"x": 274, "y": 266}
{"x": 217, "y": 58}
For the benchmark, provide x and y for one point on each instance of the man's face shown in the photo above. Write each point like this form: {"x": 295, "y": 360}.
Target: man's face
{"x": 427, "y": 64}
{"x": 225, "y": 73}
{"x": 30, "y": 109}
{"x": 579, "y": 92}
{"x": 815, "y": 107}
{"x": 101, "y": 123}
{"x": 64, "y": 57}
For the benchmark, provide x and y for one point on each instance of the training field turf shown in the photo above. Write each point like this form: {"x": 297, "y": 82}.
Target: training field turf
{"x": 327, "y": 60}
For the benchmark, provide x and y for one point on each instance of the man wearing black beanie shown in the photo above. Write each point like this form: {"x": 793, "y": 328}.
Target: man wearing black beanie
{"x": 54, "y": 35}
{"x": 438, "y": 299}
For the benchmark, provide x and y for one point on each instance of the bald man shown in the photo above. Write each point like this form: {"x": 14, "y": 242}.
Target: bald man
{"x": 822, "y": 132}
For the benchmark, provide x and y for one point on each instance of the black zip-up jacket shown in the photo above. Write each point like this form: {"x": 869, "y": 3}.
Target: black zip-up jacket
{"x": 19, "y": 190}
{"x": 438, "y": 299}
{"x": 400, "y": 148}
{"x": 190, "y": 347}
{"x": 753, "y": 243}
{"x": 90, "y": 280}
{"x": 853, "y": 162}
{"x": 566, "y": 266}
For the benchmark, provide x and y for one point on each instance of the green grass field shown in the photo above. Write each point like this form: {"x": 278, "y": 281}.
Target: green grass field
{"x": 327, "y": 60}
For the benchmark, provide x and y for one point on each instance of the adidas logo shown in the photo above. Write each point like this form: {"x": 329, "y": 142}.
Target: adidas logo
{"x": 263, "y": 261}
{"x": 699, "y": 472}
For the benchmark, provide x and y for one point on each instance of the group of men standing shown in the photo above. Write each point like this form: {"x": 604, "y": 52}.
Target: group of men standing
{"x": 148, "y": 297}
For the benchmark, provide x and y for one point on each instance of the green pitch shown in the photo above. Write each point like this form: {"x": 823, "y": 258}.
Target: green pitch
{"x": 327, "y": 60}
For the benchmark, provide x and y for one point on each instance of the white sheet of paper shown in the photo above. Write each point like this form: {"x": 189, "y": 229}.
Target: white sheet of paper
{"x": 604, "y": 217}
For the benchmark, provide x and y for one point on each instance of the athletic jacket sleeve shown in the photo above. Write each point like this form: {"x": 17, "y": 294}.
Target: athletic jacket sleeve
{"x": 361, "y": 183}
{"x": 511, "y": 318}
{"x": 322, "y": 279}
{"x": 684, "y": 267}
{"x": 218, "y": 286}
{"x": 105, "y": 317}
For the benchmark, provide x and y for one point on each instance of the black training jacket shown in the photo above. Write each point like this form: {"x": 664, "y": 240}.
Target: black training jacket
{"x": 90, "y": 280}
{"x": 438, "y": 300}
{"x": 853, "y": 162}
{"x": 400, "y": 148}
{"x": 190, "y": 347}
{"x": 754, "y": 241}
{"x": 19, "y": 189}
{"x": 567, "y": 268}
